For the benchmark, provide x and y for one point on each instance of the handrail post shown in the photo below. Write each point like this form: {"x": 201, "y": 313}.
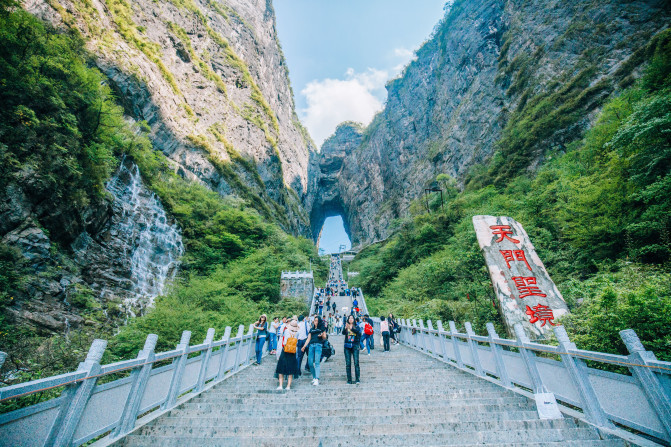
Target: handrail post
{"x": 139, "y": 379}
{"x": 72, "y": 409}
{"x": 472, "y": 344}
{"x": 240, "y": 334}
{"x": 414, "y": 337}
{"x": 455, "y": 343}
{"x": 224, "y": 353}
{"x": 546, "y": 403}
{"x": 422, "y": 336}
{"x": 431, "y": 338}
{"x": 578, "y": 372}
{"x": 658, "y": 398}
{"x": 252, "y": 340}
{"x": 209, "y": 339}
{"x": 442, "y": 340}
{"x": 529, "y": 360}
{"x": 178, "y": 371}
{"x": 497, "y": 350}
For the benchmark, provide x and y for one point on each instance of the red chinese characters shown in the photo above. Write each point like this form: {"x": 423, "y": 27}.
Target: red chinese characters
{"x": 514, "y": 255}
{"x": 540, "y": 313}
{"x": 503, "y": 232}
{"x": 526, "y": 286}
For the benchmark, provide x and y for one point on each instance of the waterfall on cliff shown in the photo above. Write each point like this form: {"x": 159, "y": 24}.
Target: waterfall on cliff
{"x": 155, "y": 244}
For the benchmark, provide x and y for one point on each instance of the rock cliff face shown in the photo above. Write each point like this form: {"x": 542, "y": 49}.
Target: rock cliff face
{"x": 210, "y": 79}
{"x": 325, "y": 196}
{"x": 120, "y": 252}
{"x": 489, "y": 65}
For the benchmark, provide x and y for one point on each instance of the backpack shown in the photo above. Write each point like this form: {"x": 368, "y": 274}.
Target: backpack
{"x": 368, "y": 329}
{"x": 290, "y": 345}
{"x": 327, "y": 350}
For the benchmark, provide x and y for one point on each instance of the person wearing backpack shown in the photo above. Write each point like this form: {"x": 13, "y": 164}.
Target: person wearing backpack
{"x": 393, "y": 328}
{"x": 368, "y": 332}
{"x": 352, "y": 333}
{"x": 287, "y": 365}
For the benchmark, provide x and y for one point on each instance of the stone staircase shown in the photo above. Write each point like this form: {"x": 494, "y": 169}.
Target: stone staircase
{"x": 405, "y": 399}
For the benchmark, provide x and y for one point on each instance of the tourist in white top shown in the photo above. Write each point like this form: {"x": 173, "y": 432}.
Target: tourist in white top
{"x": 384, "y": 329}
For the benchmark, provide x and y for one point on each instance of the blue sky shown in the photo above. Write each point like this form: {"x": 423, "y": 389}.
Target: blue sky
{"x": 333, "y": 235}
{"x": 341, "y": 53}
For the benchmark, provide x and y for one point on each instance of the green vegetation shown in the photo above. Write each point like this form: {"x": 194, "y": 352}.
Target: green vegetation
{"x": 122, "y": 14}
{"x": 61, "y": 135}
{"x": 57, "y": 121}
{"x": 599, "y": 216}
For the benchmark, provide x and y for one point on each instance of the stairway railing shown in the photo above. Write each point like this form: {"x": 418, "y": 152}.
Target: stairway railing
{"x": 86, "y": 409}
{"x": 640, "y": 402}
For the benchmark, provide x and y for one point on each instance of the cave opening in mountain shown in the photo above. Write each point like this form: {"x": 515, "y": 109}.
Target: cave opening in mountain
{"x": 333, "y": 237}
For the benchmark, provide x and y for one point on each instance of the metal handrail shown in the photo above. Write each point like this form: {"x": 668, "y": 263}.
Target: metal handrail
{"x": 67, "y": 419}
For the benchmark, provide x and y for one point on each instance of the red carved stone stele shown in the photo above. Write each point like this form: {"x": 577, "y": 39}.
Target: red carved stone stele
{"x": 524, "y": 289}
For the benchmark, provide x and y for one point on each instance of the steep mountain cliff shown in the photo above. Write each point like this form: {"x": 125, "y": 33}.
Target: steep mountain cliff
{"x": 210, "y": 80}
{"x": 501, "y": 83}
{"x": 93, "y": 224}
{"x": 325, "y": 192}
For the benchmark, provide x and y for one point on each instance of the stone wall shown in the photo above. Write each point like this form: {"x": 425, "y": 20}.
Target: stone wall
{"x": 297, "y": 285}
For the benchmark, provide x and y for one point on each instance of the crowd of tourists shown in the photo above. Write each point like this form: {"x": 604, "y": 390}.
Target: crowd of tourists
{"x": 297, "y": 338}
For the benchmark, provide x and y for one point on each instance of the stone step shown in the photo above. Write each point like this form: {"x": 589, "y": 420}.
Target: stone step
{"x": 282, "y": 396}
{"x": 363, "y": 416}
{"x": 583, "y": 437}
{"x": 317, "y": 404}
{"x": 329, "y": 411}
{"x": 304, "y": 427}
{"x": 382, "y": 381}
{"x": 308, "y": 427}
{"x": 302, "y": 384}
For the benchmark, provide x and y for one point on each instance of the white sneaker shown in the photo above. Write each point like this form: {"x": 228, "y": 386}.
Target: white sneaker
{"x": 279, "y": 387}
{"x": 288, "y": 388}
{"x": 313, "y": 381}
{"x": 316, "y": 382}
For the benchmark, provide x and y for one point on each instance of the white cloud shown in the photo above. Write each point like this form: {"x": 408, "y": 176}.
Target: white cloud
{"x": 331, "y": 101}
{"x": 404, "y": 55}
